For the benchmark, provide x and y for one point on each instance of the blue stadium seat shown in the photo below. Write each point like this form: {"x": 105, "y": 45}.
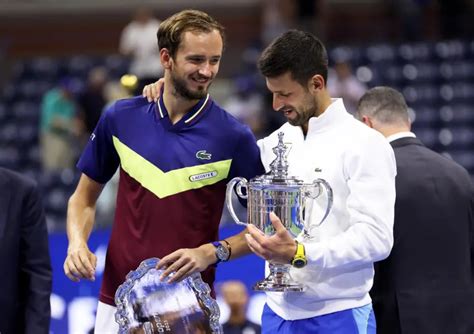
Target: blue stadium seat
{"x": 45, "y": 68}
{"x": 450, "y": 50}
{"x": 415, "y": 52}
{"x": 460, "y": 114}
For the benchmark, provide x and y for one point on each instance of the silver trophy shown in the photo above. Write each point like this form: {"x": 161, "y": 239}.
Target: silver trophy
{"x": 290, "y": 199}
{"x": 147, "y": 305}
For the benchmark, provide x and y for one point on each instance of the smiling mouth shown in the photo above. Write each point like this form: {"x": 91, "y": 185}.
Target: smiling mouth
{"x": 285, "y": 111}
{"x": 201, "y": 81}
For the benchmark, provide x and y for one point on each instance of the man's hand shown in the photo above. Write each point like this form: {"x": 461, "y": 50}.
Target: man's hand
{"x": 278, "y": 248}
{"x": 152, "y": 91}
{"x": 80, "y": 263}
{"x": 187, "y": 261}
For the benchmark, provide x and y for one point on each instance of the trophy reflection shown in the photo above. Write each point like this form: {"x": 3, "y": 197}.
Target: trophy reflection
{"x": 290, "y": 199}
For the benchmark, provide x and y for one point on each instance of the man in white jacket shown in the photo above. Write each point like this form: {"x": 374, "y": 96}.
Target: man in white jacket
{"x": 325, "y": 142}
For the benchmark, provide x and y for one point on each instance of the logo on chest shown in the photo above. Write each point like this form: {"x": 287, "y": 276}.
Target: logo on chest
{"x": 203, "y": 155}
{"x": 203, "y": 176}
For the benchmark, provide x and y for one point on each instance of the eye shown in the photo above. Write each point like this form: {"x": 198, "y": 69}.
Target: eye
{"x": 196, "y": 60}
{"x": 214, "y": 61}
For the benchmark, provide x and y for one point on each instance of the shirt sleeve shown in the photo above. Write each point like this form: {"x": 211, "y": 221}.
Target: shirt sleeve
{"x": 100, "y": 160}
{"x": 370, "y": 171}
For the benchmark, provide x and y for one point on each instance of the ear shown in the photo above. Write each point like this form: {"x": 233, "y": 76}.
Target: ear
{"x": 166, "y": 59}
{"x": 367, "y": 121}
{"x": 316, "y": 83}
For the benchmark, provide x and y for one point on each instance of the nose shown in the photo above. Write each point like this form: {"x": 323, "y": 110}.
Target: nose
{"x": 206, "y": 70}
{"x": 277, "y": 103}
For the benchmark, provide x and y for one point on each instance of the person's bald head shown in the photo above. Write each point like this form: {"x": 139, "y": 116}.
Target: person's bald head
{"x": 234, "y": 294}
{"x": 384, "y": 109}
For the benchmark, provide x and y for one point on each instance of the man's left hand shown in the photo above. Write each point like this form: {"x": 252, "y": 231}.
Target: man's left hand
{"x": 187, "y": 261}
{"x": 278, "y": 248}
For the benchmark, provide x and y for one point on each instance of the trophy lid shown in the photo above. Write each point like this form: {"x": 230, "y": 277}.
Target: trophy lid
{"x": 278, "y": 173}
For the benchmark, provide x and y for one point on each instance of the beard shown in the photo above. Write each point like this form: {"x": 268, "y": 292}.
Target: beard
{"x": 182, "y": 89}
{"x": 304, "y": 113}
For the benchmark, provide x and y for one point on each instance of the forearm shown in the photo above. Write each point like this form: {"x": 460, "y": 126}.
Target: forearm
{"x": 238, "y": 245}
{"x": 80, "y": 220}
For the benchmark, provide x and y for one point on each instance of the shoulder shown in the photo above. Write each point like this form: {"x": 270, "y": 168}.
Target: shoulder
{"x": 226, "y": 122}
{"x": 15, "y": 181}
{"x": 127, "y": 106}
{"x": 359, "y": 135}
{"x": 130, "y": 104}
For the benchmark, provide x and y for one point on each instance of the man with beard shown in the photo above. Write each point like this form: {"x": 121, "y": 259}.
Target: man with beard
{"x": 175, "y": 158}
{"x": 335, "y": 262}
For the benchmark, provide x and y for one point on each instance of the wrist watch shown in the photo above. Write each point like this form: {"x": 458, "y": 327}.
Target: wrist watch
{"x": 299, "y": 260}
{"x": 222, "y": 252}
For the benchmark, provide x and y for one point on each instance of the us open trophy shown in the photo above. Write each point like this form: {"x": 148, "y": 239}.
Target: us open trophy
{"x": 292, "y": 201}
{"x": 146, "y": 305}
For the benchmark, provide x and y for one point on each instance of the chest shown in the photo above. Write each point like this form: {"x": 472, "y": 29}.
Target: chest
{"x": 170, "y": 150}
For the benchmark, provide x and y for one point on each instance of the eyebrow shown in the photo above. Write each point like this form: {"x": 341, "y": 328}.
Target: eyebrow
{"x": 202, "y": 56}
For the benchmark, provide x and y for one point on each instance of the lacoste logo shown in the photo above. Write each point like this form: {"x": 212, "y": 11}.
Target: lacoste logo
{"x": 203, "y": 155}
{"x": 203, "y": 176}
{"x": 318, "y": 170}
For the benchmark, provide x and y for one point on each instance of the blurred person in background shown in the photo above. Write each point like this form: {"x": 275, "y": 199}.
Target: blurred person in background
{"x": 175, "y": 158}
{"x": 342, "y": 82}
{"x": 59, "y": 127}
{"x": 236, "y": 297}
{"x": 138, "y": 41}
{"x": 92, "y": 100}
{"x": 247, "y": 104}
{"x": 24, "y": 257}
{"x": 426, "y": 285}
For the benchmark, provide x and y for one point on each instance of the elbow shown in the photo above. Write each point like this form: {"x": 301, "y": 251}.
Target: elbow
{"x": 385, "y": 247}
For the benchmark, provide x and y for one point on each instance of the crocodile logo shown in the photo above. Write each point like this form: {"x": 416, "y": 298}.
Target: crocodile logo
{"x": 203, "y": 155}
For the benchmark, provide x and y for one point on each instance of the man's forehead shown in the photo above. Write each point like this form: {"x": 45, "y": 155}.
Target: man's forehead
{"x": 281, "y": 83}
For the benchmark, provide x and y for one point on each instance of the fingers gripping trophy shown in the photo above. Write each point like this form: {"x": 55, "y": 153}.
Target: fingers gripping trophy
{"x": 290, "y": 199}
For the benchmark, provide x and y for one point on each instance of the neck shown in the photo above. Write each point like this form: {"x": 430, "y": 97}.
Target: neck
{"x": 176, "y": 105}
{"x": 237, "y": 317}
{"x": 391, "y": 130}
{"x": 323, "y": 104}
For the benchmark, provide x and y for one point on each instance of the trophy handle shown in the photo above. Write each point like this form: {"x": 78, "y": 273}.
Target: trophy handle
{"x": 239, "y": 183}
{"x": 313, "y": 193}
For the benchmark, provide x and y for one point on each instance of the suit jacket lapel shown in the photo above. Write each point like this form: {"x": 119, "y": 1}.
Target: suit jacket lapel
{"x": 406, "y": 141}
{"x": 5, "y": 195}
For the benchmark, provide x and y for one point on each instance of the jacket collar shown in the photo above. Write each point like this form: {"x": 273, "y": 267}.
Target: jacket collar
{"x": 406, "y": 141}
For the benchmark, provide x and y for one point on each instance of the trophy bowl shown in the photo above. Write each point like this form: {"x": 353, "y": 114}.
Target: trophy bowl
{"x": 147, "y": 305}
{"x": 290, "y": 199}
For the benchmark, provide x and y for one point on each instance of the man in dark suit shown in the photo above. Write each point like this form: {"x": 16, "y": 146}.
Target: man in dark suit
{"x": 426, "y": 284}
{"x": 25, "y": 280}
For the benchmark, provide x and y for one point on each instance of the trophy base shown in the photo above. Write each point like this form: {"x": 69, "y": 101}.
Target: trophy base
{"x": 279, "y": 282}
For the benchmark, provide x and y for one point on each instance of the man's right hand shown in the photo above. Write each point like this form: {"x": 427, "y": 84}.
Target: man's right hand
{"x": 80, "y": 263}
{"x": 152, "y": 91}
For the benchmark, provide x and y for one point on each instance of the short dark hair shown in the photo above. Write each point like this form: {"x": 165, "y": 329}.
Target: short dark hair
{"x": 171, "y": 30}
{"x": 297, "y": 52}
{"x": 385, "y": 104}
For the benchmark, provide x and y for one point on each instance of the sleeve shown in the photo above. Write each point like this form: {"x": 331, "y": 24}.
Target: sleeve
{"x": 100, "y": 160}
{"x": 370, "y": 172}
{"x": 471, "y": 225}
{"x": 35, "y": 265}
{"x": 246, "y": 160}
